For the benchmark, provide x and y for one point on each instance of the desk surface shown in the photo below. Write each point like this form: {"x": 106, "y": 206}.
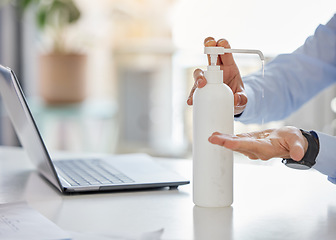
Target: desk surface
{"x": 270, "y": 202}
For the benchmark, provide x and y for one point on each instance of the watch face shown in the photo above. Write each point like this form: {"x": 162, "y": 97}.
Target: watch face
{"x": 294, "y": 164}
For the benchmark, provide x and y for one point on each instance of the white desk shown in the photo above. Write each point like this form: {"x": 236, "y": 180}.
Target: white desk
{"x": 271, "y": 202}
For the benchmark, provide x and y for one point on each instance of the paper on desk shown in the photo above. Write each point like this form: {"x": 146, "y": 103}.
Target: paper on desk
{"x": 155, "y": 235}
{"x": 18, "y": 221}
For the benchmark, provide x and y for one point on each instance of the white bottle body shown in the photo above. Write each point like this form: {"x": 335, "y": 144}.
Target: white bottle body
{"x": 212, "y": 164}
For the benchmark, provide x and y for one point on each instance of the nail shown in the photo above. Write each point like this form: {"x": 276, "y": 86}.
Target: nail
{"x": 223, "y": 43}
{"x": 208, "y": 39}
{"x": 210, "y": 42}
{"x": 198, "y": 81}
{"x": 238, "y": 100}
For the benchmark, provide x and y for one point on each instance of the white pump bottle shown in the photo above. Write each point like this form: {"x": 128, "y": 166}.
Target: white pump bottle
{"x": 213, "y": 110}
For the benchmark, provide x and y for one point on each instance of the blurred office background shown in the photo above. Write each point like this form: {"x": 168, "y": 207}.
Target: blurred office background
{"x": 140, "y": 55}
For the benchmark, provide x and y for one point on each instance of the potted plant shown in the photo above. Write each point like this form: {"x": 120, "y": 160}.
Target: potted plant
{"x": 61, "y": 69}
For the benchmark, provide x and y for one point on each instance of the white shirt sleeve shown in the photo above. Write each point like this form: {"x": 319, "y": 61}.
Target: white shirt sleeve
{"x": 290, "y": 81}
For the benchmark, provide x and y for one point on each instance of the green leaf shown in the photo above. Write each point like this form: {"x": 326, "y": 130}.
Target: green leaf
{"x": 63, "y": 12}
{"x": 41, "y": 17}
{"x": 26, "y": 3}
{"x": 74, "y": 13}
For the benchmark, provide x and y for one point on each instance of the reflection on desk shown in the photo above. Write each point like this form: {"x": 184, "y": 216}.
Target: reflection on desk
{"x": 270, "y": 202}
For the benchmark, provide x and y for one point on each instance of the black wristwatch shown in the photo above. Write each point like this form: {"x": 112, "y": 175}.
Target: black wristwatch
{"x": 308, "y": 159}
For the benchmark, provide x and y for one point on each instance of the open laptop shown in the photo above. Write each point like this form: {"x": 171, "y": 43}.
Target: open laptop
{"x": 79, "y": 174}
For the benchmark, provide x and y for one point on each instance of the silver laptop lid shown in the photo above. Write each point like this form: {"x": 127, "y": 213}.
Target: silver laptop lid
{"x": 25, "y": 126}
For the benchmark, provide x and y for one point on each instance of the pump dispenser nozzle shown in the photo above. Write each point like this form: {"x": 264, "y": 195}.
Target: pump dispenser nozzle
{"x": 215, "y": 51}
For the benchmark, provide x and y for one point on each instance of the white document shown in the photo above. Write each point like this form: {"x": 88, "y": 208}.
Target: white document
{"x": 18, "y": 221}
{"x": 155, "y": 235}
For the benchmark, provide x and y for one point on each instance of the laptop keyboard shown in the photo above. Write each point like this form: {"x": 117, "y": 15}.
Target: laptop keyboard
{"x": 84, "y": 172}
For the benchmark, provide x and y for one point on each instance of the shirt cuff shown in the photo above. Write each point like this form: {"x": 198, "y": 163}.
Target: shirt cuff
{"x": 325, "y": 161}
{"x": 238, "y": 115}
{"x": 331, "y": 179}
{"x": 248, "y": 115}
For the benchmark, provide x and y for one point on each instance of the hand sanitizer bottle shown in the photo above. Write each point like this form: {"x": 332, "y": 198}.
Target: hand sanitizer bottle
{"x": 213, "y": 110}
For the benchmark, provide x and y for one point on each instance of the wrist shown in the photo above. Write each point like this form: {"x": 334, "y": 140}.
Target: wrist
{"x": 313, "y": 146}
{"x": 311, "y": 152}
{"x": 238, "y": 115}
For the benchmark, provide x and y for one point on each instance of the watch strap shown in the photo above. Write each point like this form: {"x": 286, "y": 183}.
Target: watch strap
{"x": 309, "y": 158}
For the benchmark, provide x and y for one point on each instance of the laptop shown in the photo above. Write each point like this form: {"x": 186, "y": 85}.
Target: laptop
{"x": 80, "y": 174}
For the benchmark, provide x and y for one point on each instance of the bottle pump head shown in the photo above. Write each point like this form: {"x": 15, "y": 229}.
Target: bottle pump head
{"x": 215, "y": 51}
{"x": 214, "y": 70}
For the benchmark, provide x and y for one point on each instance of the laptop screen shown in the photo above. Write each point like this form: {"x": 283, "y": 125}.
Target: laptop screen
{"x": 24, "y": 124}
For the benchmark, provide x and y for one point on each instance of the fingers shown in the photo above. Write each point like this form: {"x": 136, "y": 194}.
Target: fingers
{"x": 284, "y": 142}
{"x": 209, "y": 39}
{"x": 255, "y": 145}
{"x": 223, "y": 140}
{"x": 230, "y": 142}
{"x": 199, "y": 78}
{"x": 231, "y": 76}
{"x": 236, "y": 143}
{"x": 190, "y": 98}
{"x": 227, "y": 58}
{"x": 200, "y": 82}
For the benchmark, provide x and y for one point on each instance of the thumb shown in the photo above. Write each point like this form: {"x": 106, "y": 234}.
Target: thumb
{"x": 297, "y": 151}
{"x": 240, "y": 101}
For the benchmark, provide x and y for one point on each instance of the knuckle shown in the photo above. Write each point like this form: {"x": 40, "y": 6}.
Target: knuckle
{"x": 291, "y": 129}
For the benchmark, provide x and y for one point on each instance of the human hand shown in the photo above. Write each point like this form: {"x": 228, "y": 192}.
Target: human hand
{"x": 231, "y": 76}
{"x": 285, "y": 142}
